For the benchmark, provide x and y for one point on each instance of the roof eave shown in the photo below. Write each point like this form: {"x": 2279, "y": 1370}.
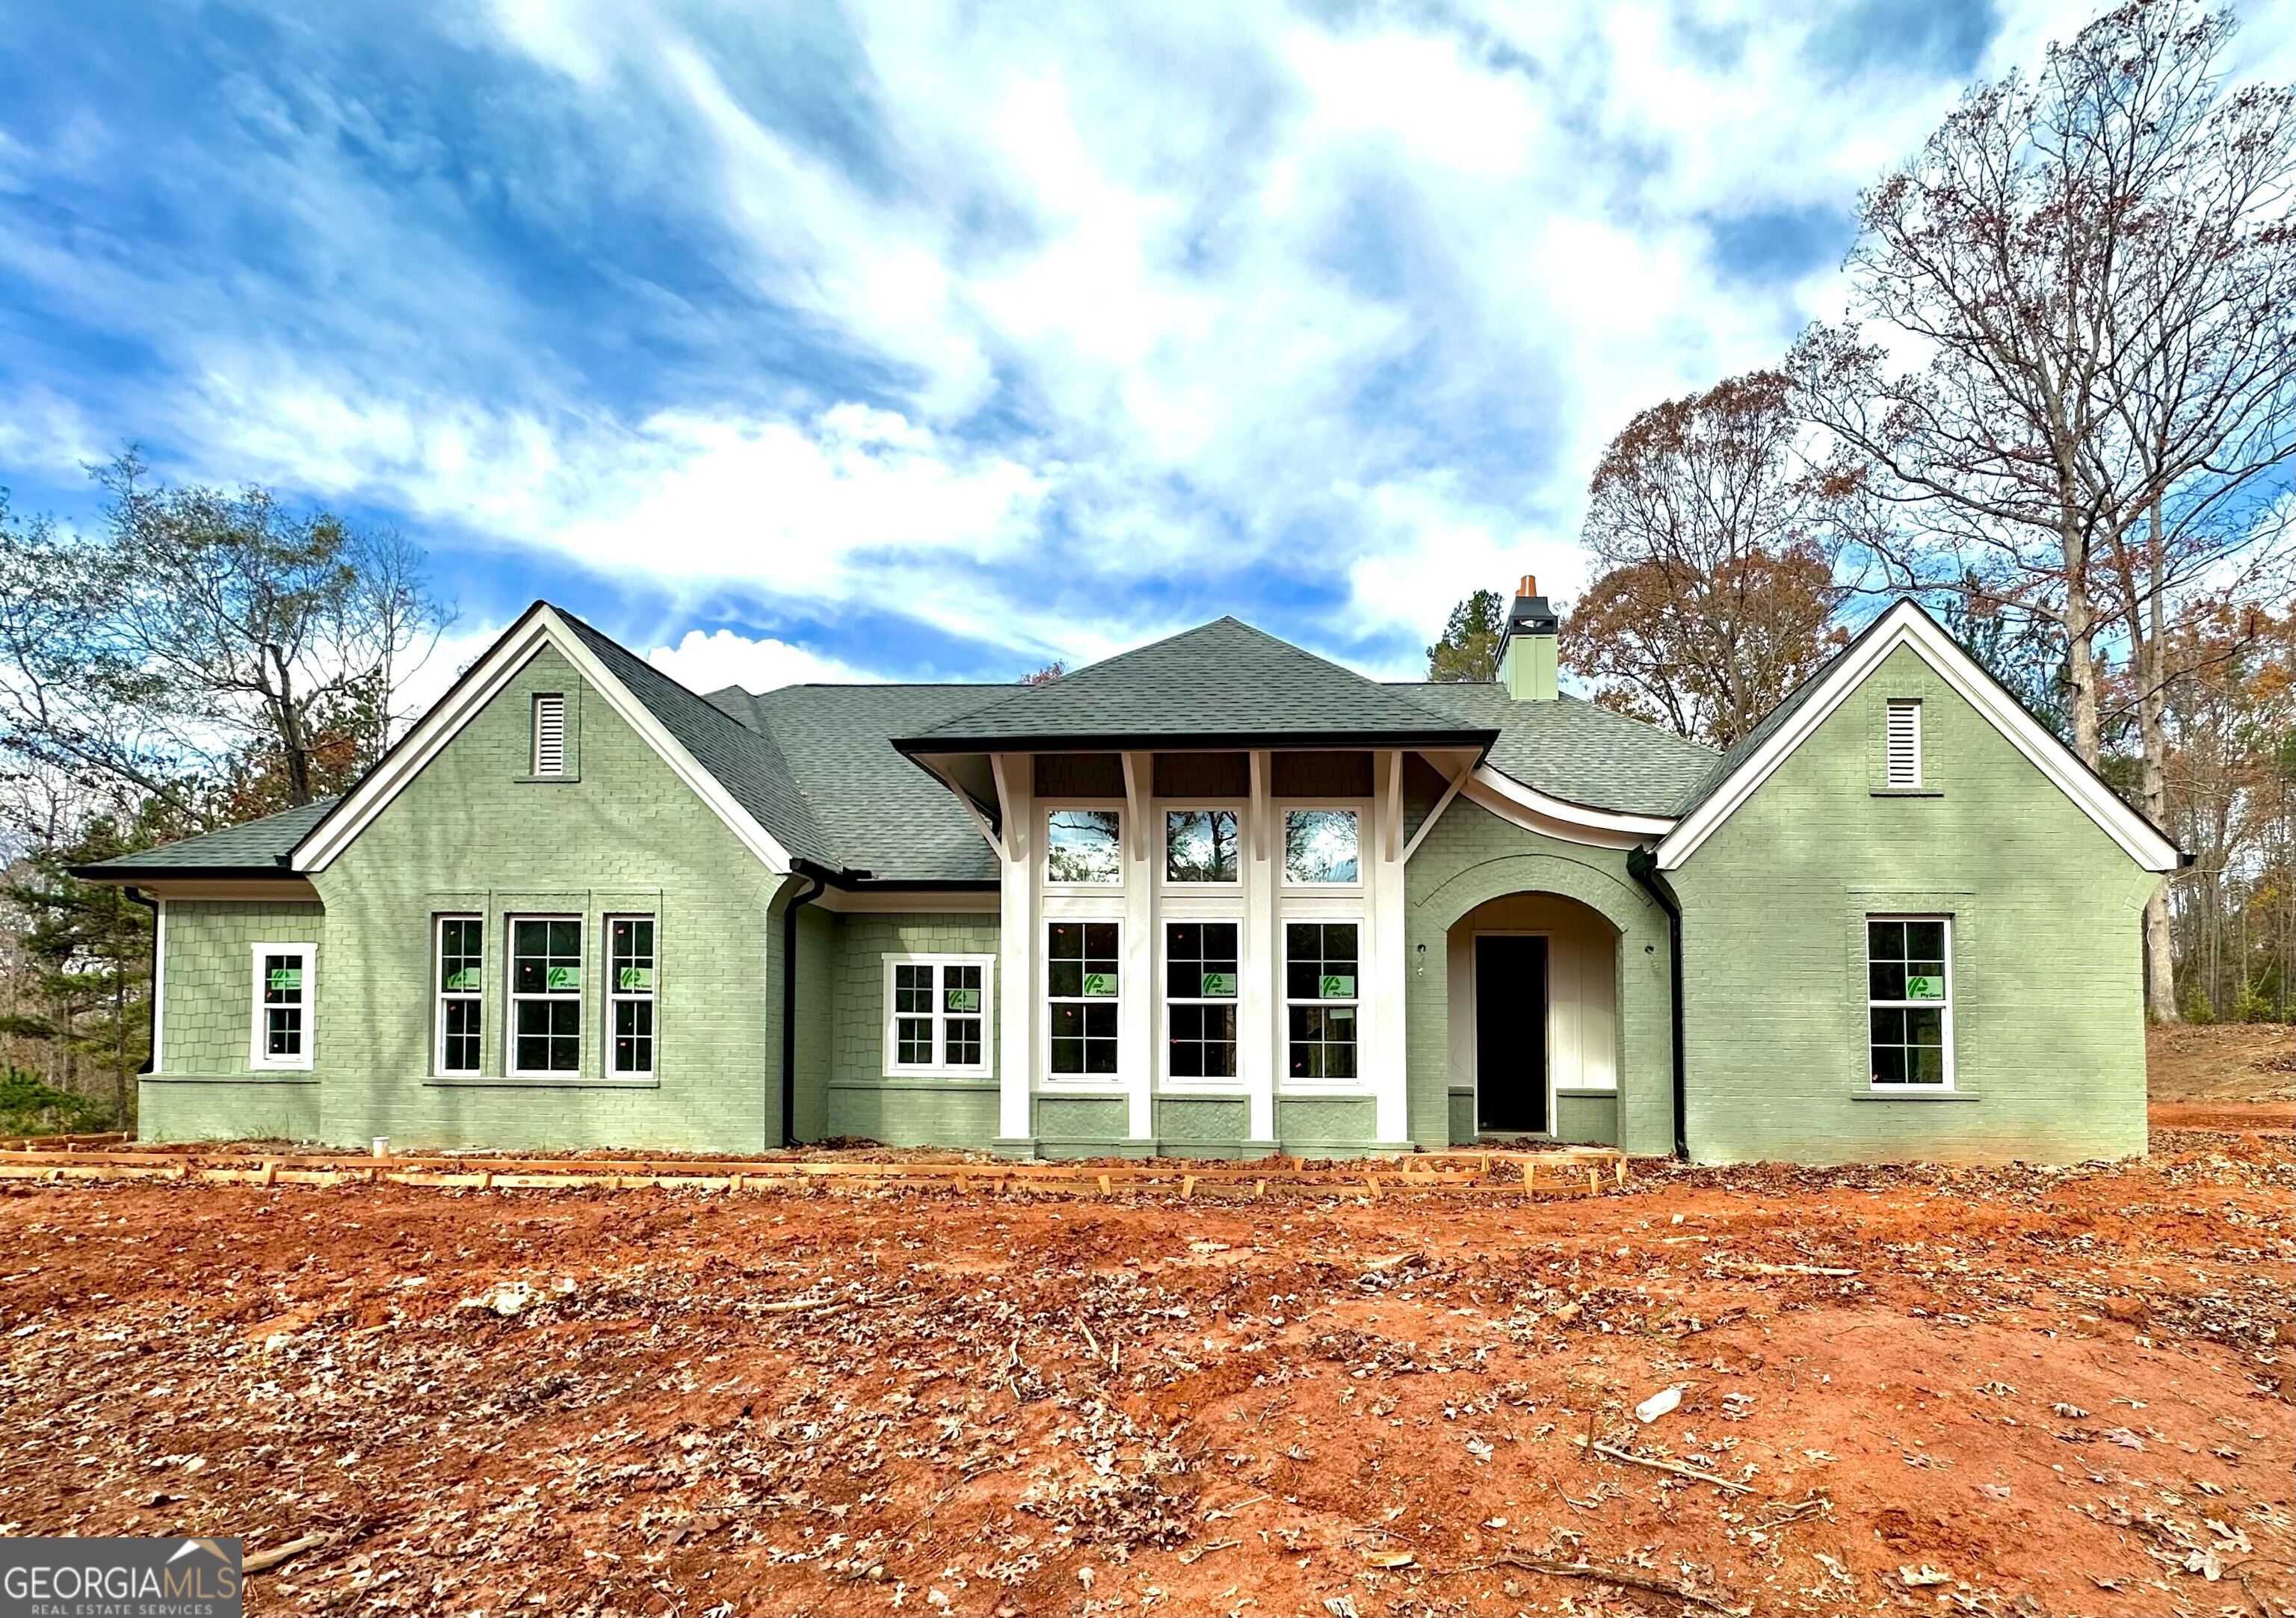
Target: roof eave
{"x": 105, "y": 871}
{"x": 1287, "y": 741}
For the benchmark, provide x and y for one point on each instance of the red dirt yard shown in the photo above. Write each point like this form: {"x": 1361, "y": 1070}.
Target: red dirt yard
{"x": 1991, "y": 1391}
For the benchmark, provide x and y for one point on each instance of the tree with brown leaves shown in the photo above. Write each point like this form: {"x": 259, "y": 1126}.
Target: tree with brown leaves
{"x": 1718, "y": 593}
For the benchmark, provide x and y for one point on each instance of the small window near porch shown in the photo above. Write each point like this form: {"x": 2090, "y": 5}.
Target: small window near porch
{"x": 1910, "y": 1001}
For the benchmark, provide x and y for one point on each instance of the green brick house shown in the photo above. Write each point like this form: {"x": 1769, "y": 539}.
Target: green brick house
{"x": 1214, "y": 896}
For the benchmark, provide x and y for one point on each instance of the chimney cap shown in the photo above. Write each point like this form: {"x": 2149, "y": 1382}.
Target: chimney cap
{"x": 1530, "y": 585}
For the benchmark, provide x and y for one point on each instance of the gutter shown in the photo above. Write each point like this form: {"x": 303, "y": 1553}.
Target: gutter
{"x": 818, "y": 877}
{"x": 151, "y": 1006}
{"x": 1641, "y": 864}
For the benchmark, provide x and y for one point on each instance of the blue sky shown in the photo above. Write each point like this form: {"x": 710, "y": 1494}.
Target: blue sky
{"x": 792, "y": 343}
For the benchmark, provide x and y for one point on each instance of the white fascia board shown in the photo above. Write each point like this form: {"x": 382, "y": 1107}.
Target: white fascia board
{"x": 1906, "y": 625}
{"x": 460, "y": 706}
{"x": 1534, "y": 810}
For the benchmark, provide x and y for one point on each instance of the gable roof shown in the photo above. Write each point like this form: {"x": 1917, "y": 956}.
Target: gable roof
{"x": 1755, "y": 758}
{"x": 1572, "y": 750}
{"x": 1223, "y": 685}
{"x": 254, "y": 848}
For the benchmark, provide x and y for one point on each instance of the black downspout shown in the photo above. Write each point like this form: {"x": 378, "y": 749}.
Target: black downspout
{"x": 1641, "y": 864}
{"x": 810, "y": 874}
{"x": 151, "y": 1007}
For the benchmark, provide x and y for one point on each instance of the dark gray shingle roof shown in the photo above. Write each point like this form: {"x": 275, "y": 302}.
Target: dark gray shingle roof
{"x": 255, "y": 848}
{"x": 884, "y": 814}
{"x": 1572, "y": 750}
{"x": 1226, "y": 683}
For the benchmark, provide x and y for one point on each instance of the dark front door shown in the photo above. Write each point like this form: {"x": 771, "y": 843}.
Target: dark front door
{"x": 1511, "y": 1036}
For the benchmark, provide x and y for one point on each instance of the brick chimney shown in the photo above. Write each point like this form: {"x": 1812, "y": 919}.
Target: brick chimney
{"x": 1527, "y": 649}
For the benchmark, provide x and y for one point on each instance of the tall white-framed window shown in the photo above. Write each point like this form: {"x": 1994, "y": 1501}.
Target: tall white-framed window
{"x": 549, "y": 733}
{"x": 629, "y": 996}
{"x": 1323, "y": 963}
{"x": 1322, "y": 846}
{"x": 1909, "y": 1002}
{"x": 286, "y": 989}
{"x": 1084, "y": 847}
{"x": 1902, "y": 743}
{"x": 1083, "y": 999}
{"x": 1203, "y": 848}
{"x": 936, "y": 1013}
{"x": 1200, "y": 983}
{"x": 458, "y": 951}
{"x": 546, "y": 994}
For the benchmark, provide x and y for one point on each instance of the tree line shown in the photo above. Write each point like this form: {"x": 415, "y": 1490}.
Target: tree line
{"x": 198, "y": 658}
{"x": 2061, "y": 409}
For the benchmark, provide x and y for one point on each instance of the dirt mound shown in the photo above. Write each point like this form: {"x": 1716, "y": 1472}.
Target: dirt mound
{"x": 2239, "y": 1062}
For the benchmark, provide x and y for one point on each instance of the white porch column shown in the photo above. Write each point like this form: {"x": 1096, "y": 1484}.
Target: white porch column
{"x": 1258, "y": 1038}
{"x": 1392, "y": 1107}
{"x": 1136, "y": 1034}
{"x": 1016, "y": 942}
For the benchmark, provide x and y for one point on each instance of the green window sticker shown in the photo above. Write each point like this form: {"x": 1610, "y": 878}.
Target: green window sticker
{"x": 1100, "y": 983}
{"x": 561, "y": 977}
{"x": 1918, "y": 988}
{"x": 286, "y": 977}
{"x": 632, "y": 980}
{"x": 1219, "y": 986}
{"x": 966, "y": 999}
{"x": 1337, "y": 988}
{"x": 463, "y": 979}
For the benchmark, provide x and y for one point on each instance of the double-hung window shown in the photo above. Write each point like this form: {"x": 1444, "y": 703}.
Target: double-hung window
{"x": 460, "y": 962}
{"x": 1910, "y": 1001}
{"x": 283, "y": 991}
{"x": 1320, "y": 960}
{"x": 629, "y": 994}
{"x": 546, "y": 994}
{"x": 1199, "y": 998}
{"x": 1083, "y": 993}
{"x": 936, "y": 1014}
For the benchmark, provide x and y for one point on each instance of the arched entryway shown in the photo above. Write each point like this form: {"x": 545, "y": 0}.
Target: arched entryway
{"x": 1533, "y": 989}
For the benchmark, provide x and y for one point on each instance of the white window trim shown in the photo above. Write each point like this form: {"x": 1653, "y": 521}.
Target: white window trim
{"x": 1285, "y": 1085}
{"x": 1872, "y": 1004}
{"x": 1279, "y": 836}
{"x": 440, "y": 995}
{"x": 534, "y": 728}
{"x": 1113, "y": 1083}
{"x": 1890, "y": 709}
{"x": 892, "y": 1067}
{"x": 1165, "y": 1078}
{"x": 1160, "y": 855}
{"x": 257, "y": 1057}
{"x": 616, "y": 996}
{"x": 512, "y": 999}
{"x": 1110, "y": 806}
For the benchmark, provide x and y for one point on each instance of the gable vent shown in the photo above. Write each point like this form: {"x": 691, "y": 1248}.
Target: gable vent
{"x": 550, "y": 736}
{"x": 1903, "y": 747}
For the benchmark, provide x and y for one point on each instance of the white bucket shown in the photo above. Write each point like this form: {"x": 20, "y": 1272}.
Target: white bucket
{"x": 383, "y": 1145}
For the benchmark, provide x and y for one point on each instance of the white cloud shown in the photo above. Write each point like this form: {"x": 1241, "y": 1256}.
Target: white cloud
{"x": 722, "y": 658}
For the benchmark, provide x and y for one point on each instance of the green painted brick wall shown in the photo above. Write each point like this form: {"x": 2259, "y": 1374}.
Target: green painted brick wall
{"x": 1471, "y": 855}
{"x": 859, "y": 1100}
{"x": 2046, "y": 977}
{"x": 621, "y": 833}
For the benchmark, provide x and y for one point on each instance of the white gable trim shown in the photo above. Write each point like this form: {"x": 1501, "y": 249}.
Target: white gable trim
{"x": 485, "y": 682}
{"x": 1509, "y": 800}
{"x": 1906, "y": 625}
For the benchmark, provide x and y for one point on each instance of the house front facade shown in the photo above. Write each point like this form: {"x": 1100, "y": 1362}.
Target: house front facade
{"x": 1213, "y": 897}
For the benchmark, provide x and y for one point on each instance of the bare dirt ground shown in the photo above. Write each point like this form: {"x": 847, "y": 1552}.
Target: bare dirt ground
{"x": 1991, "y": 1391}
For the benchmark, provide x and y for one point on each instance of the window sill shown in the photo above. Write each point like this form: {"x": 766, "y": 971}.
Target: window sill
{"x": 1098, "y": 1090}
{"x": 1327, "y": 1092}
{"x": 535, "y": 1081}
{"x": 937, "y": 1075}
{"x": 1905, "y": 792}
{"x": 565, "y": 780}
{"x": 1910, "y": 1094}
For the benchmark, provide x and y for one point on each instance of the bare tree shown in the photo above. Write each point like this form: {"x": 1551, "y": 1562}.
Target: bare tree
{"x": 1718, "y": 550}
{"x": 205, "y": 636}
